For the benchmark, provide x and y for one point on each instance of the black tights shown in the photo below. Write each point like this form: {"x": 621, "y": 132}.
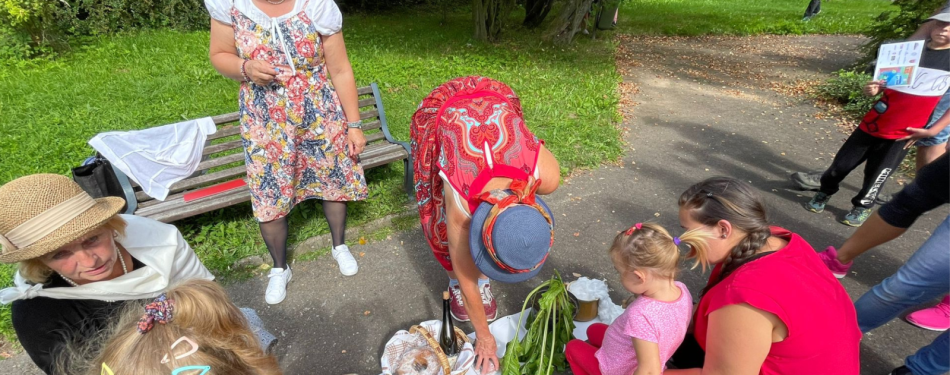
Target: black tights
{"x": 274, "y": 232}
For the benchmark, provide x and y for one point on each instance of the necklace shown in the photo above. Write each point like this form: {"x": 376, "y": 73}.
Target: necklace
{"x": 278, "y": 2}
{"x": 125, "y": 269}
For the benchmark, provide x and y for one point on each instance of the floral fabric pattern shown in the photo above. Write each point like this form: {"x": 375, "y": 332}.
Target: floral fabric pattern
{"x": 293, "y": 130}
{"x": 458, "y": 127}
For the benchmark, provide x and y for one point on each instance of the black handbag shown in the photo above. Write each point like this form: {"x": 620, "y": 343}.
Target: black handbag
{"x": 100, "y": 179}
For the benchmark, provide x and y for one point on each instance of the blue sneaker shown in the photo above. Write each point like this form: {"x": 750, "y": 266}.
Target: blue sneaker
{"x": 857, "y": 216}
{"x": 817, "y": 203}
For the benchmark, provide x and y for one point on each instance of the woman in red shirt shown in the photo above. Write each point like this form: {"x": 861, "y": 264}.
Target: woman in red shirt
{"x": 770, "y": 306}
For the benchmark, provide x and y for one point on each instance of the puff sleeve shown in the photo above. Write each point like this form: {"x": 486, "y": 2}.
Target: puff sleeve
{"x": 219, "y": 10}
{"x": 326, "y": 16}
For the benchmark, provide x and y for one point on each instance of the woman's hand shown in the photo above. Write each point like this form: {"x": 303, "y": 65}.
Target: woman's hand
{"x": 260, "y": 72}
{"x": 486, "y": 357}
{"x": 874, "y": 87}
{"x": 356, "y": 141}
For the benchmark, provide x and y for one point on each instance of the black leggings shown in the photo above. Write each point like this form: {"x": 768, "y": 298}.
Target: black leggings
{"x": 881, "y": 156}
{"x": 814, "y": 6}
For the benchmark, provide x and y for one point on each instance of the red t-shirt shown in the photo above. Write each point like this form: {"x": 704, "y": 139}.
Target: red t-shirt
{"x": 792, "y": 283}
{"x": 903, "y": 107}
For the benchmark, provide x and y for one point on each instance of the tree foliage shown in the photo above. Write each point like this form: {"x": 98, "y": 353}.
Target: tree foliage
{"x": 893, "y": 26}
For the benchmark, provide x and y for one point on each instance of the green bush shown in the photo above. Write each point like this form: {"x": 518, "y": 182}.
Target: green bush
{"x": 847, "y": 89}
{"x": 29, "y": 28}
{"x": 891, "y": 25}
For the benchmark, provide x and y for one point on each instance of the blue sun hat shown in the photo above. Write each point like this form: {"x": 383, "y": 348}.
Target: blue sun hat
{"x": 511, "y": 234}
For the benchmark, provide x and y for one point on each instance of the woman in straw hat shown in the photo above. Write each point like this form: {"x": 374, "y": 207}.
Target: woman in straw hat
{"x": 78, "y": 259}
{"x": 477, "y": 172}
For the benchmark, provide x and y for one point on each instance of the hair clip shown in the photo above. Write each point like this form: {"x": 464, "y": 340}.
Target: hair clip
{"x": 636, "y": 226}
{"x": 676, "y": 241}
{"x": 708, "y": 195}
{"x": 193, "y": 350}
{"x": 204, "y": 369}
{"x": 106, "y": 370}
{"x": 160, "y": 310}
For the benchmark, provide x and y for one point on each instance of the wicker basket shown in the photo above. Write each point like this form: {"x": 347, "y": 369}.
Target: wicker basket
{"x": 443, "y": 359}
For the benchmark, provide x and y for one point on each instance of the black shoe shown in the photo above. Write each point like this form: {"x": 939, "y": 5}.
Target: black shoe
{"x": 807, "y": 180}
{"x": 901, "y": 371}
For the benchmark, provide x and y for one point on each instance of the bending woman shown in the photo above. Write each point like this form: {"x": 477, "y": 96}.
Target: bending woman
{"x": 477, "y": 172}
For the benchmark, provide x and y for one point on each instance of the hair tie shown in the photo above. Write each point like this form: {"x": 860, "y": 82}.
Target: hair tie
{"x": 160, "y": 310}
{"x": 708, "y": 195}
{"x": 636, "y": 226}
{"x": 676, "y": 241}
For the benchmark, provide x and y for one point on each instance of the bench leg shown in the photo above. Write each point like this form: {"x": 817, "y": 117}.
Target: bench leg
{"x": 408, "y": 179}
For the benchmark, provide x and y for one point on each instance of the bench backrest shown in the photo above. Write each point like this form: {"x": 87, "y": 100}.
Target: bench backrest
{"x": 224, "y": 153}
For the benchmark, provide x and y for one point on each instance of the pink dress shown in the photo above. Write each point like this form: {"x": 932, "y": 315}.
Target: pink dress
{"x": 663, "y": 323}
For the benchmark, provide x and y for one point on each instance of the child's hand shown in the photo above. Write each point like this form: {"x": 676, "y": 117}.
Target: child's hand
{"x": 874, "y": 87}
{"x": 915, "y": 135}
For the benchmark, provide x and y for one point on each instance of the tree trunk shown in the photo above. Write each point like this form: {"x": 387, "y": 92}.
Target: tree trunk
{"x": 478, "y": 15}
{"x": 535, "y": 12}
{"x": 490, "y": 17}
{"x": 569, "y": 21}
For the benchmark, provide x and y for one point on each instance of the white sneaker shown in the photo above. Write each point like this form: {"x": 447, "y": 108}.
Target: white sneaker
{"x": 277, "y": 286}
{"x": 348, "y": 266}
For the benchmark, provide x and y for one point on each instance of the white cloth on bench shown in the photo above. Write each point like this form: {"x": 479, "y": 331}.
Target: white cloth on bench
{"x": 156, "y": 158}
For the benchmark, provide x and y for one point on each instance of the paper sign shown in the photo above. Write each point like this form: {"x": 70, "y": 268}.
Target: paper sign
{"x": 897, "y": 63}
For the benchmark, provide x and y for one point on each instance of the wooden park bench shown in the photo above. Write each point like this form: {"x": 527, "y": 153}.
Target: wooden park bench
{"x": 223, "y": 164}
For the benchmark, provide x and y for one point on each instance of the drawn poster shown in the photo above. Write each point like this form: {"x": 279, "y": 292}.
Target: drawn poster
{"x": 897, "y": 63}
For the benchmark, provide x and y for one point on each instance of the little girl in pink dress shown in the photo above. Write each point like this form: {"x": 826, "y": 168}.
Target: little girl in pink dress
{"x": 653, "y": 326}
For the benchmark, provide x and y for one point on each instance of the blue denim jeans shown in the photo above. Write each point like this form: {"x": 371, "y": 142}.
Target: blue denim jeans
{"x": 942, "y": 106}
{"x": 924, "y": 277}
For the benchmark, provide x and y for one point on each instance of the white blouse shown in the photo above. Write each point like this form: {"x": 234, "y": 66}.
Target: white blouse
{"x": 325, "y": 14}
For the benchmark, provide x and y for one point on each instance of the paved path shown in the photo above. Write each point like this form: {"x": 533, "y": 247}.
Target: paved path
{"x": 694, "y": 108}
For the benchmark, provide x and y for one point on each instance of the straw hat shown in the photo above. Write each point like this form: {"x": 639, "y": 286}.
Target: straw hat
{"x": 40, "y": 213}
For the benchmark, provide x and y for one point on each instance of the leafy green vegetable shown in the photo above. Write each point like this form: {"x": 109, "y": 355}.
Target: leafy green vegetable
{"x": 542, "y": 349}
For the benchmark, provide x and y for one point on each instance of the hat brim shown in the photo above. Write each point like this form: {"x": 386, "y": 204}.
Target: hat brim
{"x": 943, "y": 16}
{"x": 104, "y": 209}
{"x": 480, "y": 255}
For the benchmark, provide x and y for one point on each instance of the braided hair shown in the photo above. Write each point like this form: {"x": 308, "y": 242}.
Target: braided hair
{"x": 724, "y": 198}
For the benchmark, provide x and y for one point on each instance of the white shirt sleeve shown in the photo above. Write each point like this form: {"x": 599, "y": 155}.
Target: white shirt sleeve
{"x": 220, "y": 10}
{"x": 326, "y": 16}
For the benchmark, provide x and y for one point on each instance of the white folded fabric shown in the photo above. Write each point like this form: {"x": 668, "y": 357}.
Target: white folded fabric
{"x": 156, "y": 158}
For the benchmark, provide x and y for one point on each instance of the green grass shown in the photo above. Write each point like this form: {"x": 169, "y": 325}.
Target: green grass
{"x": 745, "y": 17}
{"x": 49, "y": 109}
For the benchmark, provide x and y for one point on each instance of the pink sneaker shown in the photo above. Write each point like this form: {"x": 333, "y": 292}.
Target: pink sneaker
{"x": 488, "y": 300}
{"x": 457, "y": 305}
{"x": 936, "y": 318}
{"x": 830, "y": 258}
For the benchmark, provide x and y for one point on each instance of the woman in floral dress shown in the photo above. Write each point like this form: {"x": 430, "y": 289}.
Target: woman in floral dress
{"x": 301, "y": 131}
